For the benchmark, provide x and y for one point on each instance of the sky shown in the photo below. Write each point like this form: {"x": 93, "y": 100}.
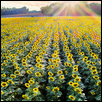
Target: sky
{"x": 35, "y": 5}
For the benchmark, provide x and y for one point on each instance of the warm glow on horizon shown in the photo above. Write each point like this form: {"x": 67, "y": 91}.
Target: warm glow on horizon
{"x": 36, "y": 5}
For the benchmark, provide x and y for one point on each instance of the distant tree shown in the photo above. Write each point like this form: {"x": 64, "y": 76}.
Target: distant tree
{"x": 34, "y": 11}
{"x": 55, "y": 7}
{"x": 8, "y": 11}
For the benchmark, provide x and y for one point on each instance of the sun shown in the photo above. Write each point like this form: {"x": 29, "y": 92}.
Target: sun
{"x": 72, "y": 3}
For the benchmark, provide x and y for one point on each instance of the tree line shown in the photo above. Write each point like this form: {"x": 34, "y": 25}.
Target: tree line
{"x": 54, "y": 7}
{"x": 10, "y": 11}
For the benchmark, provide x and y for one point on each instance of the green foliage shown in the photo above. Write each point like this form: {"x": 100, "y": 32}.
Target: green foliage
{"x": 49, "y": 62}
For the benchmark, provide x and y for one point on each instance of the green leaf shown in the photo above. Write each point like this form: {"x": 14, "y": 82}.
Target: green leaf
{"x": 19, "y": 91}
{"x": 79, "y": 99}
{"x": 59, "y": 93}
{"x": 98, "y": 97}
{"x": 43, "y": 80}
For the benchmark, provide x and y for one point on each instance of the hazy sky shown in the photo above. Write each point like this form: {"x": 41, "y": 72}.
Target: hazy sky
{"x": 34, "y": 5}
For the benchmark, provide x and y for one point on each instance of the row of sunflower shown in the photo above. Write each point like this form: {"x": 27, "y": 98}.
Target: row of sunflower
{"x": 50, "y": 59}
{"x": 74, "y": 84}
{"x": 89, "y": 63}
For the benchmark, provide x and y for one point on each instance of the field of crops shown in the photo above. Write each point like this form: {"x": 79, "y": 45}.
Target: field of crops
{"x": 51, "y": 59}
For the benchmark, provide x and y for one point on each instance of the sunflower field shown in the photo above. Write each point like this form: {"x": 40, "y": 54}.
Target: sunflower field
{"x": 51, "y": 59}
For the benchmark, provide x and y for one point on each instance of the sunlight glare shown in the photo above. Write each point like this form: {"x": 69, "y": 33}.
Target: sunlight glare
{"x": 72, "y": 2}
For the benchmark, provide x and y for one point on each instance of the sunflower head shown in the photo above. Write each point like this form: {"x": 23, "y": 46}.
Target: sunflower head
{"x": 99, "y": 83}
{"x": 51, "y": 78}
{"x": 35, "y": 89}
{"x": 75, "y": 85}
{"x": 55, "y": 89}
{"x": 61, "y": 77}
{"x": 71, "y": 97}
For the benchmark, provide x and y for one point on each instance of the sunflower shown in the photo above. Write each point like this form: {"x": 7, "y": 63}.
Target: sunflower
{"x": 69, "y": 64}
{"x": 96, "y": 77}
{"x": 2, "y": 92}
{"x": 55, "y": 89}
{"x": 61, "y": 77}
{"x": 74, "y": 75}
{"x": 49, "y": 73}
{"x": 75, "y": 84}
{"x": 54, "y": 61}
{"x": 94, "y": 72}
{"x": 18, "y": 68}
{"x": 77, "y": 79}
{"x": 49, "y": 59}
{"x": 85, "y": 57}
{"x": 75, "y": 69}
{"x": 12, "y": 76}
{"x": 71, "y": 97}
{"x": 99, "y": 83}
{"x": 48, "y": 67}
{"x": 66, "y": 63}
{"x": 70, "y": 59}
{"x": 1, "y": 69}
{"x": 75, "y": 66}
{"x": 24, "y": 64}
{"x": 40, "y": 66}
{"x": 88, "y": 62}
{"x": 78, "y": 90}
{"x": 4, "y": 84}
{"x": 10, "y": 81}
{"x": 37, "y": 74}
{"x": 4, "y": 54}
{"x": 89, "y": 66}
{"x": 32, "y": 68}
{"x": 65, "y": 72}
{"x": 78, "y": 62}
{"x": 92, "y": 54}
{"x": 37, "y": 64}
{"x": 31, "y": 78}
{"x": 70, "y": 83}
{"x": 17, "y": 72}
{"x": 58, "y": 60}
{"x": 82, "y": 53}
{"x": 100, "y": 62}
{"x": 93, "y": 68}
{"x": 56, "y": 65}
{"x": 95, "y": 57}
{"x": 47, "y": 87}
{"x": 60, "y": 72}
{"x": 27, "y": 85}
{"x": 3, "y": 75}
{"x": 54, "y": 55}
{"x": 5, "y": 61}
{"x": 31, "y": 82}
{"x": 35, "y": 89}
{"x": 15, "y": 64}
{"x": 85, "y": 60}
{"x": 67, "y": 54}
{"x": 4, "y": 64}
{"x": 51, "y": 78}
{"x": 92, "y": 93}
{"x": 12, "y": 60}
{"x": 29, "y": 71}
{"x": 52, "y": 66}
{"x": 38, "y": 60}
{"x": 23, "y": 60}
{"x": 78, "y": 50}
{"x": 24, "y": 96}
{"x": 93, "y": 63}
